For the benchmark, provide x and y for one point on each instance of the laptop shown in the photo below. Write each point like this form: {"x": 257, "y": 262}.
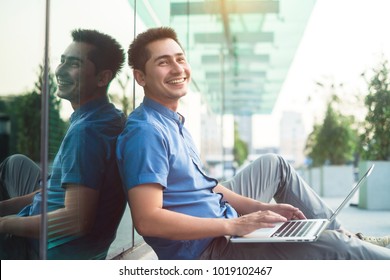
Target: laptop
{"x": 297, "y": 230}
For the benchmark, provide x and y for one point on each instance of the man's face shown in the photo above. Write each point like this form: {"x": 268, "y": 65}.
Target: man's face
{"x": 76, "y": 74}
{"x": 167, "y": 73}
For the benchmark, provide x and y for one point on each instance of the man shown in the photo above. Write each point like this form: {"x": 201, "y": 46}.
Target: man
{"x": 85, "y": 193}
{"x": 180, "y": 211}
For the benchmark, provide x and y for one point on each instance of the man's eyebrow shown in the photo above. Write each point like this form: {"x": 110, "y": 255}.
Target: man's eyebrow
{"x": 71, "y": 58}
{"x": 168, "y": 56}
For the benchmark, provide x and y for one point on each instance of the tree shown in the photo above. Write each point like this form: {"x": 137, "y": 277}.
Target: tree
{"x": 125, "y": 103}
{"x": 376, "y": 128}
{"x": 25, "y": 114}
{"x": 334, "y": 141}
{"x": 240, "y": 149}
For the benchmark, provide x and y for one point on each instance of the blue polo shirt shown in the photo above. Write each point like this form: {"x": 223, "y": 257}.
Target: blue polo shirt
{"x": 87, "y": 157}
{"x": 155, "y": 147}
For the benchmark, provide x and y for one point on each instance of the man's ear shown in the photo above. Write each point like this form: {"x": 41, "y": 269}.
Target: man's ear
{"x": 104, "y": 78}
{"x": 139, "y": 76}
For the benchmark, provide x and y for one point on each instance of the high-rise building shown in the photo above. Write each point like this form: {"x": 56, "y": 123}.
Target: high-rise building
{"x": 292, "y": 137}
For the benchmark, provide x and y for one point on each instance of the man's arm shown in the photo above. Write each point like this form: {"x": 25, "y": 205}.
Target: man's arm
{"x": 14, "y": 205}
{"x": 150, "y": 219}
{"x": 76, "y": 218}
{"x": 245, "y": 205}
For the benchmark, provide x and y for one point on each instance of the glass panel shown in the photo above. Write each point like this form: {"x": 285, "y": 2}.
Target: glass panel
{"x": 20, "y": 101}
{"x": 20, "y": 112}
{"x": 114, "y": 18}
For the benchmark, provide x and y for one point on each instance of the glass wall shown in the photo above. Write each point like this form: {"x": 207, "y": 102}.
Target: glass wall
{"x": 23, "y": 24}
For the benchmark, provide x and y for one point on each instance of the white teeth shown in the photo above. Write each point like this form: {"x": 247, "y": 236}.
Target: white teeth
{"x": 62, "y": 82}
{"x": 178, "y": 81}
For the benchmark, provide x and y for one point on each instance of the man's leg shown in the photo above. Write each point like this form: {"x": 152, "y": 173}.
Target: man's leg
{"x": 331, "y": 245}
{"x": 270, "y": 176}
{"x": 15, "y": 248}
{"x": 19, "y": 176}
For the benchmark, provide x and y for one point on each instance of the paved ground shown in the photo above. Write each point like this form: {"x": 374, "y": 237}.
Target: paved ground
{"x": 369, "y": 222}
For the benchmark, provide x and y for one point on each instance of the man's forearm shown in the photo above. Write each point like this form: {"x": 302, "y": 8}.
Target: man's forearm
{"x": 61, "y": 222}
{"x": 21, "y": 226}
{"x": 14, "y": 205}
{"x": 176, "y": 226}
{"x": 243, "y": 205}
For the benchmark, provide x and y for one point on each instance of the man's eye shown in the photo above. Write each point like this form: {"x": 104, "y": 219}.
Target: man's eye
{"x": 73, "y": 63}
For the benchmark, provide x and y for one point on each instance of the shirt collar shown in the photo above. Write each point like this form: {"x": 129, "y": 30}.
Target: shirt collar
{"x": 164, "y": 110}
{"x": 89, "y": 106}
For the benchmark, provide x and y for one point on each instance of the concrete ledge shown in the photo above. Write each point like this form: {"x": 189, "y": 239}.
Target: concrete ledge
{"x": 141, "y": 252}
{"x": 375, "y": 191}
{"x": 330, "y": 180}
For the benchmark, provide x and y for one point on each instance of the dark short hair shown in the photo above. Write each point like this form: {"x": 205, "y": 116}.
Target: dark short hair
{"x": 138, "y": 52}
{"x": 107, "y": 54}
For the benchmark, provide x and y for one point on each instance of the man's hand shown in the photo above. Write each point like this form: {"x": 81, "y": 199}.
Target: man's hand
{"x": 250, "y": 222}
{"x": 286, "y": 210}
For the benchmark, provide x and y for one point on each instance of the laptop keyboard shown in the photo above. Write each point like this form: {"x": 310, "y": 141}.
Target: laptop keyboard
{"x": 296, "y": 228}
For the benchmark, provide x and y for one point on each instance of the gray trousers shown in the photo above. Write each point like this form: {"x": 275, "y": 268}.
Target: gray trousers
{"x": 271, "y": 177}
{"x": 19, "y": 176}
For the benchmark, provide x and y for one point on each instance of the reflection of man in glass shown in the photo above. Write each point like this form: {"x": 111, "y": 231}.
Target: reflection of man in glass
{"x": 85, "y": 196}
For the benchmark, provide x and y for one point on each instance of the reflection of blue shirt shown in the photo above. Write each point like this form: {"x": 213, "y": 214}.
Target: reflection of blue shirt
{"x": 87, "y": 157}
{"x": 155, "y": 147}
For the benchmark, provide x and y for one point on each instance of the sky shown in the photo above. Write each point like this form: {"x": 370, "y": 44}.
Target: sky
{"x": 343, "y": 39}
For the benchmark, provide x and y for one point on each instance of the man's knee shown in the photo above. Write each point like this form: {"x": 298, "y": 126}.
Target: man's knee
{"x": 270, "y": 158}
{"x": 11, "y": 161}
{"x": 268, "y": 161}
{"x": 17, "y": 159}
{"x": 20, "y": 164}
{"x": 20, "y": 176}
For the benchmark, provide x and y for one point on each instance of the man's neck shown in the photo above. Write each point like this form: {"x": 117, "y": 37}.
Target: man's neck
{"x": 171, "y": 104}
{"x": 76, "y": 105}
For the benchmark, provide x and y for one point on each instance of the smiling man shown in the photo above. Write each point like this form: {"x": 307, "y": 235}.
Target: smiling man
{"x": 85, "y": 194}
{"x": 181, "y": 212}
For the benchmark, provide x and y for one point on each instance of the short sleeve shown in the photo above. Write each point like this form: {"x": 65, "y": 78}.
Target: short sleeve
{"x": 83, "y": 158}
{"x": 142, "y": 154}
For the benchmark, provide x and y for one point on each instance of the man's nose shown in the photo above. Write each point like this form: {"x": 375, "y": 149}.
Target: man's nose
{"x": 58, "y": 70}
{"x": 177, "y": 68}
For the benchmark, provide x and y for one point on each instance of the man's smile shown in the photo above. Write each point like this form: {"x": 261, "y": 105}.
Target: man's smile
{"x": 176, "y": 81}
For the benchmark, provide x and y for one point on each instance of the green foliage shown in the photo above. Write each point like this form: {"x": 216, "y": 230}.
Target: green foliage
{"x": 240, "y": 149}
{"x": 25, "y": 114}
{"x": 57, "y": 126}
{"x": 334, "y": 141}
{"x": 376, "y": 135}
{"x": 124, "y": 102}
{"x": 28, "y": 122}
